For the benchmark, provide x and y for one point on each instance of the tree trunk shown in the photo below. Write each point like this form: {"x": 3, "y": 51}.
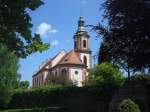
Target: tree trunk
{"x": 129, "y": 73}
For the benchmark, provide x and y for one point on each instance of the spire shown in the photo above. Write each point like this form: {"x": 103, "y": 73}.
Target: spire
{"x": 81, "y": 24}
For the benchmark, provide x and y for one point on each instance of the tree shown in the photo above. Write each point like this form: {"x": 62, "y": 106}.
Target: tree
{"x": 106, "y": 73}
{"x": 24, "y": 84}
{"x": 15, "y": 27}
{"x": 103, "y": 55}
{"x": 8, "y": 74}
{"x": 128, "y": 105}
{"x": 16, "y": 40}
{"x": 127, "y": 39}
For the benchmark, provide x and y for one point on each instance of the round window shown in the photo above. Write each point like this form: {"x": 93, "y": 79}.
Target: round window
{"x": 76, "y": 72}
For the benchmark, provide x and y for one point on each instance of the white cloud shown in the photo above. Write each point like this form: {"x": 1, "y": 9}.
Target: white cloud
{"x": 54, "y": 31}
{"x": 44, "y": 29}
{"x": 54, "y": 43}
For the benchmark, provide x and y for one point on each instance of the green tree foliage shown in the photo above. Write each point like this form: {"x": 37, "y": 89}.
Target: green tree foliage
{"x": 15, "y": 27}
{"x": 8, "y": 74}
{"x": 24, "y": 84}
{"x": 127, "y": 39}
{"x": 106, "y": 73}
{"x": 128, "y": 105}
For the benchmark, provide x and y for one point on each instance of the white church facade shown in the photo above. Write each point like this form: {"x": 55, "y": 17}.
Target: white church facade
{"x": 72, "y": 66}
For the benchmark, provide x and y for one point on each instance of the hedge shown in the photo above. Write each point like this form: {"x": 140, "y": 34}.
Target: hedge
{"x": 75, "y": 99}
{"x": 88, "y": 97}
{"x": 139, "y": 79}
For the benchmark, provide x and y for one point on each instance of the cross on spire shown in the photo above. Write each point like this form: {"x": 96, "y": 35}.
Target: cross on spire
{"x": 81, "y": 10}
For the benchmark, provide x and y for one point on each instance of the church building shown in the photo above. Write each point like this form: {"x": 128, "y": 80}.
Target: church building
{"x": 72, "y": 66}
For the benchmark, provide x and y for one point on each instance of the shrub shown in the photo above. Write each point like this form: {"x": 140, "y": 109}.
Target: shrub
{"x": 128, "y": 105}
{"x": 8, "y": 74}
{"x": 140, "y": 78}
{"x": 106, "y": 73}
{"x": 59, "y": 96}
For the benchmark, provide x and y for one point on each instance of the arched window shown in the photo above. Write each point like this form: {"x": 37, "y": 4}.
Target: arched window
{"x": 34, "y": 81}
{"x": 42, "y": 78}
{"x": 52, "y": 75}
{"x": 56, "y": 74}
{"x": 64, "y": 74}
{"x": 84, "y": 43}
{"x": 38, "y": 83}
{"x": 85, "y": 60}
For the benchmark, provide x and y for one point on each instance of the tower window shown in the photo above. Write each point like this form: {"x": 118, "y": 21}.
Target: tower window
{"x": 84, "y": 43}
{"x": 85, "y": 60}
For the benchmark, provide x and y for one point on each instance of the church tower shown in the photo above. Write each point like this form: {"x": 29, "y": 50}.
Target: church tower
{"x": 81, "y": 43}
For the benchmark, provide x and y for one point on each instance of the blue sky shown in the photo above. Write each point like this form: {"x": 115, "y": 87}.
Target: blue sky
{"x": 56, "y": 21}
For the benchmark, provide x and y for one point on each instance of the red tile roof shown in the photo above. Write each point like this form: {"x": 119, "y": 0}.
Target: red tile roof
{"x": 71, "y": 58}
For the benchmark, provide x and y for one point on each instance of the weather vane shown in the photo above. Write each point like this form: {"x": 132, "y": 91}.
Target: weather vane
{"x": 81, "y": 10}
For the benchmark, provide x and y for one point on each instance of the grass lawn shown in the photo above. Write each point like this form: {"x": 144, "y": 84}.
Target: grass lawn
{"x": 47, "y": 109}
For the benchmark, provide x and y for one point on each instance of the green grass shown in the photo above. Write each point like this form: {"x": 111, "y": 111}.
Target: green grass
{"x": 47, "y": 109}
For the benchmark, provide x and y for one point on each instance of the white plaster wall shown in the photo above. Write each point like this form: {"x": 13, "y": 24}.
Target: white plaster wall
{"x": 76, "y": 77}
{"x": 88, "y": 59}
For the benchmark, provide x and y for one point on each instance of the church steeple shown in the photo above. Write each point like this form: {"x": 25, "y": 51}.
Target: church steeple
{"x": 81, "y": 43}
{"x": 81, "y": 24}
{"x": 81, "y": 38}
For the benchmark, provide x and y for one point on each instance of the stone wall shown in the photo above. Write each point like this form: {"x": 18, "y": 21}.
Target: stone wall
{"x": 137, "y": 92}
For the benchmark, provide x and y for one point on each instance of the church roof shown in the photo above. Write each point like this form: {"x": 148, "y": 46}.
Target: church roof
{"x": 71, "y": 58}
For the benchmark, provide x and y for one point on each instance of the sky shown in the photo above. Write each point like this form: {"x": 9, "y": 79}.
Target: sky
{"x": 56, "y": 22}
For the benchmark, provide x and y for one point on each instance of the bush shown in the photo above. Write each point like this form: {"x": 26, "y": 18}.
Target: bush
{"x": 24, "y": 84}
{"x": 128, "y": 105}
{"x": 106, "y": 73}
{"x": 139, "y": 79}
{"x": 70, "y": 96}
